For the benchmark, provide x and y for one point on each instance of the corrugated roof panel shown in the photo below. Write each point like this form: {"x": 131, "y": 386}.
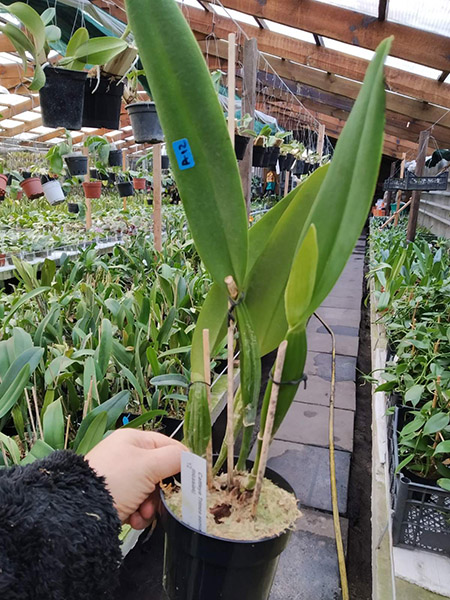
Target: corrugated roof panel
{"x": 368, "y": 7}
{"x": 293, "y": 32}
{"x": 432, "y": 15}
{"x": 410, "y": 67}
{"x": 191, "y": 3}
{"x": 234, "y": 14}
{"x": 348, "y": 48}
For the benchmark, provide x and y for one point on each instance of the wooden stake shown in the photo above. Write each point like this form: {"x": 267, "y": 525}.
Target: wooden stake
{"x": 30, "y": 412}
{"x": 250, "y": 61}
{"x": 66, "y": 439}
{"x": 157, "y": 197}
{"x": 399, "y": 192}
{"x": 391, "y": 218}
{"x": 207, "y": 379}
{"x": 36, "y": 408}
{"x": 87, "y": 177}
{"x": 231, "y": 85}
{"x": 320, "y": 140}
{"x": 286, "y": 182}
{"x": 124, "y": 203}
{"x": 233, "y": 293}
{"x": 415, "y": 198}
{"x": 279, "y": 363}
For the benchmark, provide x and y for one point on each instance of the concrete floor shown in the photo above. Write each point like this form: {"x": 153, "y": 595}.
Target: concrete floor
{"x": 308, "y": 568}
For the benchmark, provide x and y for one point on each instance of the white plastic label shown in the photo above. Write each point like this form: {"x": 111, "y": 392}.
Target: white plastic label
{"x": 193, "y": 489}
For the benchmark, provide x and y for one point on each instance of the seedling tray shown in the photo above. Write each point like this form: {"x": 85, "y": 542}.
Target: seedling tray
{"x": 414, "y": 182}
{"x": 421, "y": 517}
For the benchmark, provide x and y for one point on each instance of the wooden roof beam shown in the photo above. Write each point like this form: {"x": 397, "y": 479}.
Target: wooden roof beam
{"x": 325, "y": 59}
{"x": 358, "y": 29}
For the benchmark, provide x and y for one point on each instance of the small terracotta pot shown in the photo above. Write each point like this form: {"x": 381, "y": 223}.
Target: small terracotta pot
{"x": 139, "y": 183}
{"x": 32, "y": 187}
{"x": 2, "y": 260}
{"x": 92, "y": 189}
{"x": 19, "y": 194}
{"x": 3, "y": 182}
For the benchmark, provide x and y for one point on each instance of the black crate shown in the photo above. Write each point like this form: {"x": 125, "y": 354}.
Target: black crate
{"x": 421, "y": 512}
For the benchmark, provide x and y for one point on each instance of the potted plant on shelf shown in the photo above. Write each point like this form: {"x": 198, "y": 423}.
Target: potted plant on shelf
{"x": 99, "y": 149}
{"x": 124, "y": 185}
{"x": 143, "y": 116}
{"x": 303, "y": 243}
{"x": 139, "y": 175}
{"x": 242, "y": 135}
{"x": 92, "y": 189}
{"x": 72, "y": 189}
{"x": 31, "y": 183}
{"x": 61, "y": 87}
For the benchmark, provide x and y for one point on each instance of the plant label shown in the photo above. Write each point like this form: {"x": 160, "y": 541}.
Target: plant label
{"x": 193, "y": 489}
{"x": 183, "y": 154}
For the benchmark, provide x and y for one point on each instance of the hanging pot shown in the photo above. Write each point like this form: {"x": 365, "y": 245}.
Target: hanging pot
{"x": 299, "y": 168}
{"x": 266, "y": 157}
{"x": 92, "y": 189}
{"x": 282, "y": 163}
{"x": 73, "y": 207}
{"x": 125, "y": 189}
{"x": 102, "y": 106}
{"x": 289, "y": 161}
{"x": 258, "y": 156}
{"x": 26, "y": 174}
{"x": 145, "y": 123}
{"x": 62, "y": 98}
{"x": 139, "y": 183}
{"x": 77, "y": 164}
{"x": 53, "y": 191}
{"x": 3, "y": 183}
{"x": 240, "y": 145}
{"x": 165, "y": 164}
{"x": 112, "y": 178}
{"x": 115, "y": 158}
{"x": 95, "y": 174}
{"x": 198, "y": 566}
{"x": 273, "y": 156}
{"x": 32, "y": 187}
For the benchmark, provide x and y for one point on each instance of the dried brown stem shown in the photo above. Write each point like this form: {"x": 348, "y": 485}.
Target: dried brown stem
{"x": 30, "y": 413}
{"x": 66, "y": 439}
{"x": 36, "y": 408}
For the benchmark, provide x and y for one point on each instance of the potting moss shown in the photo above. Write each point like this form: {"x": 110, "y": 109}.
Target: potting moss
{"x": 229, "y": 512}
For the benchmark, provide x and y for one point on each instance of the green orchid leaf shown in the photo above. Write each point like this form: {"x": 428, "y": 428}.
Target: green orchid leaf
{"x": 32, "y": 21}
{"x": 48, "y": 15}
{"x": 53, "y": 424}
{"x": 192, "y": 119}
{"x": 9, "y": 394}
{"x": 39, "y": 450}
{"x": 104, "y": 349}
{"x": 145, "y": 418}
{"x": 97, "y": 51}
{"x": 436, "y": 423}
{"x": 81, "y": 36}
{"x": 94, "y": 433}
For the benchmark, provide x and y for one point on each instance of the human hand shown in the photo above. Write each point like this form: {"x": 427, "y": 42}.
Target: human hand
{"x": 133, "y": 462}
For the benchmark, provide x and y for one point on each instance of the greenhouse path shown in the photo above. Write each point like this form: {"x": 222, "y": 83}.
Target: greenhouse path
{"x": 308, "y": 568}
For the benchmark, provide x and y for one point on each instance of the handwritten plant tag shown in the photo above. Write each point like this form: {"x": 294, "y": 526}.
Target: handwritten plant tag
{"x": 193, "y": 490}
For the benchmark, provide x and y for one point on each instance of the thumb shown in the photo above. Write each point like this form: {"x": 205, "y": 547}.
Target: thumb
{"x": 163, "y": 462}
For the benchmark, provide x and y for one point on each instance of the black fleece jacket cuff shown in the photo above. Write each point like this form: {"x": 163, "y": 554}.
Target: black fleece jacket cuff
{"x": 58, "y": 531}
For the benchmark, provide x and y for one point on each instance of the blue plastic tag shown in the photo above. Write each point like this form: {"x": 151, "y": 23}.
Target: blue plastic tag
{"x": 184, "y": 155}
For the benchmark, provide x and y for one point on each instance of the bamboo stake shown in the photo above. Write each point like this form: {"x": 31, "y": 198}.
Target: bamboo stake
{"x": 396, "y": 213}
{"x": 88, "y": 399}
{"x": 66, "y": 439}
{"x": 30, "y": 413}
{"x": 233, "y": 293}
{"x": 279, "y": 363}
{"x": 286, "y": 182}
{"x": 231, "y": 85}
{"x": 207, "y": 378}
{"x": 157, "y": 197}
{"x": 88, "y": 200}
{"x": 399, "y": 192}
{"x": 36, "y": 408}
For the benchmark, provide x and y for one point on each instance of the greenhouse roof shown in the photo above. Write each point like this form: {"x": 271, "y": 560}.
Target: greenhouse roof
{"x": 312, "y": 58}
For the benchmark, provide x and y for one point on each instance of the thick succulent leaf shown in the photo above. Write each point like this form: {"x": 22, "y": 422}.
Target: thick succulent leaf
{"x": 300, "y": 285}
{"x": 20, "y": 42}
{"x": 81, "y": 36}
{"x": 39, "y": 450}
{"x": 94, "y": 433}
{"x": 345, "y": 197}
{"x": 188, "y": 109}
{"x": 48, "y": 15}
{"x": 54, "y": 425}
{"x": 9, "y": 394}
{"x": 32, "y": 21}
{"x": 97, "y": 51}
{"x": 266, "y": 282}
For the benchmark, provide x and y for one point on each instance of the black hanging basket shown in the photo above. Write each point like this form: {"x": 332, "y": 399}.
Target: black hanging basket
{"x": 258, "y": 156}
{"x": 289, "y": 161}
{"x": 102, "y": 106}
{"x": 198, "y": 566}
{"x": 240, "y": 145}
{"x": 73, "y": 207}
{"x": 62, "y": 98}
{"x": 165, "y": 164}
{"x": 145, "y": 123}
{"x": 299, "y": 168}
{"x": 125, "y": 189}
{"x": 273, "y": 156}
{"x": 282, "y": 163}
{"x": 115, "y": 158}
{"x": 77, "y": 164}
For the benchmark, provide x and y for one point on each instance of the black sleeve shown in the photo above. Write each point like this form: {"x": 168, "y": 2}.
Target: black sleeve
{"x": 58, "y": 531}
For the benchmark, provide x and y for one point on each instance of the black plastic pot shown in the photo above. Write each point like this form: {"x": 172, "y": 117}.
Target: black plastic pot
{"x": 289, "y": 161}
{"x": 165, "y": 164}
{"x": 73, "y": 207}
{"x": 102, "y": 107}
{"x": 145, "y": 122}
{"x": 240, "y": 145}
{"x": 95, "y": 174}
{"x": 125, "y": 189}
{"x": 198, "y": 566}
{"x": 115, "y": 158}
{"x": 77, "y": 165}
{"x": 299, "y": 168}
{"x": 282, "y": 163}
{"x": 62, "y": 98}
{"x": 273, "y": 156}
{"x": 172, "y": 427}
{"x": 26, "y": 174}
{"x": 47, "y": 178}
{"x": 112, "y": 178}
{"x": 258, "y": 156}
{"x": 266, "y": 157}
